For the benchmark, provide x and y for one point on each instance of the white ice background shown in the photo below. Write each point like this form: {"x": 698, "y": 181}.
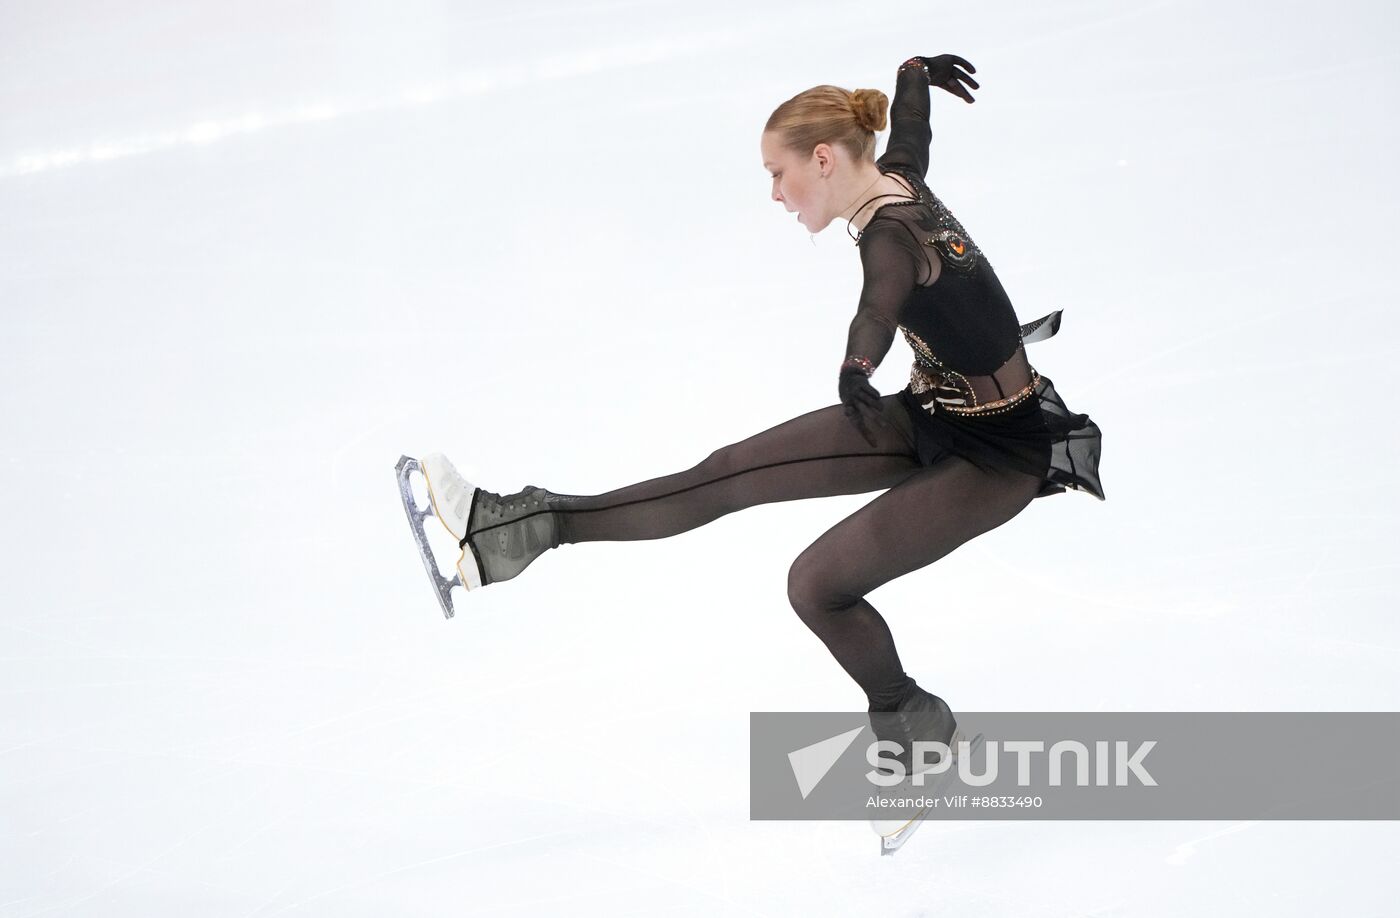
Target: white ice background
{"x": 252, "y": 252}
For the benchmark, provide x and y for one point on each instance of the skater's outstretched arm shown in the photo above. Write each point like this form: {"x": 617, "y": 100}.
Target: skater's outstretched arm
{"x": 910, "y": 133}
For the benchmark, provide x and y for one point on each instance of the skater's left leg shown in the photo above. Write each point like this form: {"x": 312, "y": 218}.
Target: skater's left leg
{"x": 913, "y": 524}
{"x": 817, "y": 454}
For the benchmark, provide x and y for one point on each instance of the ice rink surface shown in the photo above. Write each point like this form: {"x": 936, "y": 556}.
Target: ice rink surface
{"x": 251, "y": 253}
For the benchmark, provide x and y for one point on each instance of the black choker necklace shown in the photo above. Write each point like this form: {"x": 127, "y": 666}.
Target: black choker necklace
{"x": 877, "y": 197}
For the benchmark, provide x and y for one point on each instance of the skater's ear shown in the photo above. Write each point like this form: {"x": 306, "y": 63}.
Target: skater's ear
{"x": 823, "y": 157}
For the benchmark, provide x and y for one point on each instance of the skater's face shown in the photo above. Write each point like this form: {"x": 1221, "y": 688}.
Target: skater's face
{"x": 797, "y": 180}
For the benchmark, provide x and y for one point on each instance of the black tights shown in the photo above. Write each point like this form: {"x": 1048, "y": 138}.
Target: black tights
{"x": 925, "y": 513}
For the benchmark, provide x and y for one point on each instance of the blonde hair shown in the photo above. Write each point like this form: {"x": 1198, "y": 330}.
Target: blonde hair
{"x": 831, "y": 115}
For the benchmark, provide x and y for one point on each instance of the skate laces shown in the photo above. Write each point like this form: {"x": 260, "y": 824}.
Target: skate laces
{"x": 509, "y": 506}
{"x": 501, "y": 513}
{"x": 496, "y": 510}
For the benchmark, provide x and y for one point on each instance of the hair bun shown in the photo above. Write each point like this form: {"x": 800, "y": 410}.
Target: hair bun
{"x": 869, "y": 106}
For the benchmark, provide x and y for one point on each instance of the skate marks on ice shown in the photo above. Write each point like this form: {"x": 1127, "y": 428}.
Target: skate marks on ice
{"x": 1187, "y": 849}
{"x": 203, "y": 130}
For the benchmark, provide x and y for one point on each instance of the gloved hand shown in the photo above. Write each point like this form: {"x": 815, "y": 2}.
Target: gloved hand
{"x": 861, "y": 402}
{"x": 943, "y": 73}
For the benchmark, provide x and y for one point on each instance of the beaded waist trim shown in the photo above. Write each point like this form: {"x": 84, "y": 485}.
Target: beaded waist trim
{"x": 956, "y": 401}
{"x": 958, "y": 395}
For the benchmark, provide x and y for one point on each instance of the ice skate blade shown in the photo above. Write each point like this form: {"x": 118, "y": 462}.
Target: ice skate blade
{"x": 441, "y": 585}
{"x": 890, "y": 842}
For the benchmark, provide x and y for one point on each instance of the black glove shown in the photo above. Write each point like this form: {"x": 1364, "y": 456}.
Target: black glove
{"x": 943, "y": 72}
{"x": 861, "y": 402}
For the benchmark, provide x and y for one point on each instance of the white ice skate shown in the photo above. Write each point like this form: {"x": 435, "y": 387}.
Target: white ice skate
{"x": 895, "y": 832}
{"x": 497, "y": 536}
{"x": 449, "y": 499}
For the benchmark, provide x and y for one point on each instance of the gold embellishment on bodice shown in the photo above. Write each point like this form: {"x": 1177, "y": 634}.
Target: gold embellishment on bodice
{"x": 956, "y": 250}
{"x": 929, "y": 373}
{"x": 952, "y": 391}
{"x": 938, "y": 229}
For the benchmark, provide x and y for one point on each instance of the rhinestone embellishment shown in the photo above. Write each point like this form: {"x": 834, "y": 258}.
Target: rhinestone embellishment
{"x": 928, "y": 374}
{"x": 946, "y": 235}
{"x": 954, "y": 248}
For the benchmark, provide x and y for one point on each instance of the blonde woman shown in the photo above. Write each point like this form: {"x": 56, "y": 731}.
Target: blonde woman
{"x": 976, "y": 435}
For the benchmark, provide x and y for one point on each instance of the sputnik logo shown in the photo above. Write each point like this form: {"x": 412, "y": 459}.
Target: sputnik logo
{"x": 811, "y": 763}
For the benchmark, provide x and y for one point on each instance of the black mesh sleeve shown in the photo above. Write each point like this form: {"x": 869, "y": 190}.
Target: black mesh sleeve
{"x": 910, "y": 133}
{"x": 888, "y": 256}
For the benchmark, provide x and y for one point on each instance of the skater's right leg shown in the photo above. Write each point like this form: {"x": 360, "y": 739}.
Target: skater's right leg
{"x": 818, "y": 454}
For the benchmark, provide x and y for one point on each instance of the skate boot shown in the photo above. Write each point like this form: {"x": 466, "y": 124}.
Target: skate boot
{"x": 920, "y": 716}
{"x": 499, "y": 536}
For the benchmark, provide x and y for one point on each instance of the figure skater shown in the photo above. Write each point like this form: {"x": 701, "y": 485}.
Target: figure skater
{"x": 975, "y": 436}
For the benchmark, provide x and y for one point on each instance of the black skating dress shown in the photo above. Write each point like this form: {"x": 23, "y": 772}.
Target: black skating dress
{"x": 972, "y": 392}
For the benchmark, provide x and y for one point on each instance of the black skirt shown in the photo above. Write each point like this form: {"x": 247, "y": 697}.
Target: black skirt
{"x": 1039, "y": 436}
